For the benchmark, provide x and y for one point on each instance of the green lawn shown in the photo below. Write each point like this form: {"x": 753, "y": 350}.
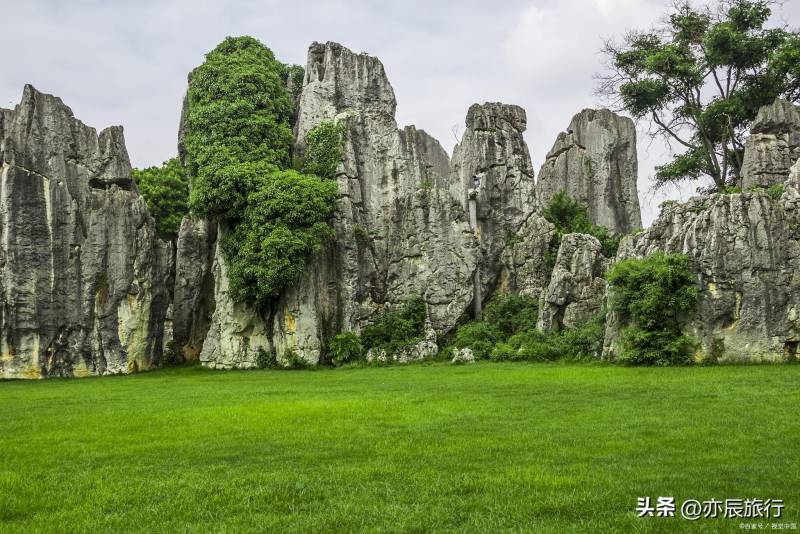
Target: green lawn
{"x": 420, "y": 448}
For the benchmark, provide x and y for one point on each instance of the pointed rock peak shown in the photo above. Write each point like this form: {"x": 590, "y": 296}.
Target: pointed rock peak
{"x": 595, "y": 163}
{"x": 33, "y": 100}
{"x": 494, "y": 115}
{"x": 347, "y": 80}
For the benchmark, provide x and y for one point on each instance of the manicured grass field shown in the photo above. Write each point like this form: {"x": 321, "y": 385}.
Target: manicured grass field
{"x": 420, "y": 448}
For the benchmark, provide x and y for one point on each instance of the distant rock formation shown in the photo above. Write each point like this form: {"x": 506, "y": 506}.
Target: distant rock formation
{"x": 773, "y": 145}
{"x": 87, "y": 288}
{"x": 84, "y": 282}
{"x": 595, "y": 162}
{"x": 494, "y": 149}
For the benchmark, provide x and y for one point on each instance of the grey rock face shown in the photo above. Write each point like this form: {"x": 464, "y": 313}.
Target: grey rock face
{"x": 525, "y": 268}
{"x": 745, "y": 250}
{"x": 238, "y": 335}
{"x": 84, "y": 285}
{"x": 595, "y": 162}
{"x": 773, "y": 145}
{"x": 577, "y": 288}
{"x": 193, "y": 295}
{"x": 493, "y": 148}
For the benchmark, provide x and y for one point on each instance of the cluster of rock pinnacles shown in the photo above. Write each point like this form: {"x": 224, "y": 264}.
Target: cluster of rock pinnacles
{"x": 87, "y": 287}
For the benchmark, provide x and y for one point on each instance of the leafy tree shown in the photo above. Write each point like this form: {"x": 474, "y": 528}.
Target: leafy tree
{"x": 294, "y": 75}
{"x": 238, "y": 142}
{"x": 166, "y": 191}
{"x": 653, "y": 295}
{"x": 238, "y": 125}
{"x": 285, "y": 223}
{"x": 699, "y": 79}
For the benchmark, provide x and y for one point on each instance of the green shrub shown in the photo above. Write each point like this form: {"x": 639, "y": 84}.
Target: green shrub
{"x": 511, "y": 312}
{"x": 479, "y": 336}
{"x": 530, "y": 345}
{"x": 659, "y": 347}
{"x": 345, "y": 347}
{"x": 774, "y": 191}
{"x": 583, "y": 342}
{"x": 266, "y": 359}
{"x": 291, "y": 359}
{"x": 394, "y": 330}
{"x": 166, "y": 191}
{"x": 652, "y": 296}
{"x": 324, "y": 148}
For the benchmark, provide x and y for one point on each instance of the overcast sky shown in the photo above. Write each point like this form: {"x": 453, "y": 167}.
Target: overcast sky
{"x": 117, "y": 62}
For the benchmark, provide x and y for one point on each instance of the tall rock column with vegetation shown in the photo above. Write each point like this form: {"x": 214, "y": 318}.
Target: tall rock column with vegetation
{"x": 273, "y": 219}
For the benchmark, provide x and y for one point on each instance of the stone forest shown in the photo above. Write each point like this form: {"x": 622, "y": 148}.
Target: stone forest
{"x": 89, "y": 285}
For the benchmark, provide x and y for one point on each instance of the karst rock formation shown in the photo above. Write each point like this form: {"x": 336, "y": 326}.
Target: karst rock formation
{"x": 88, "y": 288}
{"x": 84, "y": 281}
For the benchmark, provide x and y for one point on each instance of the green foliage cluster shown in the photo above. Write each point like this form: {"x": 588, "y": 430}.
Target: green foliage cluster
{"x": 344, "y": 348}
{"x": 324, "y": 148}
{"x": 583, "y": 342}
{"x": 508, "y": 332}
{"x": 392, "y": 330}
{"x": 569, "y": 216}
{"x": 285, "y": 221}
{"x": 166, "y": 191}
{"x": 396, "y": 329}
{"x": 774, "y": 191}
{"x": 294, "y": 79}
{"x": 700, "y": 78}
{"x": 238, "y": 140}
{"x": 652, "y": 297}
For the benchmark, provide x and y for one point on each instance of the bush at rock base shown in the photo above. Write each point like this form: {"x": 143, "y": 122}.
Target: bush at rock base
{"x": 344, "y": 348}
{"x": 652, "y": 297}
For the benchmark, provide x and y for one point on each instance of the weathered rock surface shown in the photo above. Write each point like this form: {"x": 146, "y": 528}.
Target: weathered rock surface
{"x": 84, "y": 285}
{"x": 595, "y": 162}
{"x": 494, "y": 149}
{"x": 193, "y": 295}
{"x": 525, "y": 268}
{"x": 463, "y": 356}
{"x": 238, "y": 337}
{"x": 745, "y": 250}
{"x": 773, "y": 145}
{"x": 577, "y": 288}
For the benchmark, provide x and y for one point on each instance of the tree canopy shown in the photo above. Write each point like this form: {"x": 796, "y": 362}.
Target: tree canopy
{"x": 166, "y": 191}
{"x": 699, "y": 78}
{"x": 239, "y": 146}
